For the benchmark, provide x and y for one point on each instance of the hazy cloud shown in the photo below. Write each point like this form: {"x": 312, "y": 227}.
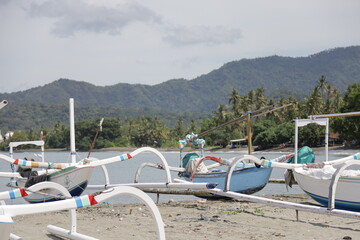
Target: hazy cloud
{"x": 4, "y": 2}
{"x": 202, "y": 35}
{"x": 78, "y": 16}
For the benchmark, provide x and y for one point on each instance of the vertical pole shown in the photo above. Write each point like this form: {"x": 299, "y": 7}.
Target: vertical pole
{"x": 42, "y": 147}
{"x": 73, "y": 221}
{"x": 327, "y": 140}
{"x": 11, "y": 151}
{"x": 249, "y": 134}
{"x": 296, "y": 139}
{"x": 72, "y": 131}
{"x": 42, "y": 153}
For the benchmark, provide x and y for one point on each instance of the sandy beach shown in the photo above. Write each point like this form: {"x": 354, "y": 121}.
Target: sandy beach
{"x": 199, "y": 219}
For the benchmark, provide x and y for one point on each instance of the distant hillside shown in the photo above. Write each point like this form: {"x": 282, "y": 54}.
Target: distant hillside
{"x": 27, "y": 116}
{"x": 280, "y": 76}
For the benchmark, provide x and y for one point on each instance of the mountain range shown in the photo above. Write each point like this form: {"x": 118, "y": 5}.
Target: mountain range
{"x": 279, "y": 76}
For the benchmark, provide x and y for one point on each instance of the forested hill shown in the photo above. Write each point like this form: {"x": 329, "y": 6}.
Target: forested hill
{"x": 278, "y": 75}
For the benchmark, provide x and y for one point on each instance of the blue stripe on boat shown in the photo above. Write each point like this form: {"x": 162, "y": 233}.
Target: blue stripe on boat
{"x": 12, "y": 194}
{"x": 78, "y": 202}
{"x": 339, "y": 204}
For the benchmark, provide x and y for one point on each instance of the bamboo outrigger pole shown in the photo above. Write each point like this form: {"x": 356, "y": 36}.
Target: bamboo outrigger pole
{"x": 248, "y": 116}
{"x": 249, "y": 132}
{"x": 242, "y": 117}
{"x": 253, "y": 114}
{"x": 348, "y": 114}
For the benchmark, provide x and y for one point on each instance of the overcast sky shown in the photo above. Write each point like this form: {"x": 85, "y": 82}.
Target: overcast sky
{"x": 105, "y": 42}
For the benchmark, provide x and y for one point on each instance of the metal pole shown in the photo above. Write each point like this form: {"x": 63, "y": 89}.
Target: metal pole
{"x": 72, "y": 131}
{"x": 327, "y": 140}
{"x": 296, "y": 139}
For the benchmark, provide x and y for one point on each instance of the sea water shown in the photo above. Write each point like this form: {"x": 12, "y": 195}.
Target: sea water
{"x": 124, "y": 172}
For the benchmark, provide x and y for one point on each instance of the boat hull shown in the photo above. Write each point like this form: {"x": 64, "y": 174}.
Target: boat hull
{"x": 247, "y": 181}
{"x": 347, "y": 194}
{"x": 74, "y": 179}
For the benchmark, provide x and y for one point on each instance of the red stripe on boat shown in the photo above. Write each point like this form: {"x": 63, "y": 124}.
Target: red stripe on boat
{"x": 23, "y": 192}
{"x": 92, "y": 199}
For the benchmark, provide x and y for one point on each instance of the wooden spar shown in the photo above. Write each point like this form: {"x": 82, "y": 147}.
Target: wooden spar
{"x": 253, "y": 114}
{"x": 242, "y": 117}
{"x": 181, "y": 185}
{"x": 249, "y": 134}
{"x": 175, "y": 191}
{"x": 280, "y": 181}
{"x": 99, "y": 129}
{"x": 348, "y": 114}
{"x": 271, "y": 110}
{"x": 249, "y": 129}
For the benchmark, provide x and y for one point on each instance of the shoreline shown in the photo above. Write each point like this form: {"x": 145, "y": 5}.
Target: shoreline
{"x": 200, "y": 219}
{"x": 210, "y": 149}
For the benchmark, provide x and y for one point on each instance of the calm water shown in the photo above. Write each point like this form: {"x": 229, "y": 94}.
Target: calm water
{"x": 124, "y": 172}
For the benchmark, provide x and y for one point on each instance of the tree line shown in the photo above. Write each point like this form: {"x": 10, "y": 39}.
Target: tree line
{"x": 271, "y": 129}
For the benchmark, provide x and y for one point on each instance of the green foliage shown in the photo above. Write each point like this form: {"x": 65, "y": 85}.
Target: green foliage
{"x": 284, "y": 75}
{"x": 311, "y": 135}
{"x": 141, "y": 115}
{"x": 349, "y": 128}
{"x": 148, "y": 132}
{"x": 271, "y": 129}
{"x": 269, "y": 133}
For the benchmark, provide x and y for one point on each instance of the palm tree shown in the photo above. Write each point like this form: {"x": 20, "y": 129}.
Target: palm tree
{"x": 235, "y": 100}
{"x": 260, "y": 99}
{"x": 314, "y": 103}
{"x": 179, "y": 130}
{"x": 251, "y": 99}
{"x": 330, "y": 95}
{"x": 220, "y": 115}
{"x": 322, "y": 83}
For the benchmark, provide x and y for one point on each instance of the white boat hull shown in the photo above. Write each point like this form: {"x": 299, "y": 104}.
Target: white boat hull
{"x": 347, "y": 193}
{"x": 74, "y": 179}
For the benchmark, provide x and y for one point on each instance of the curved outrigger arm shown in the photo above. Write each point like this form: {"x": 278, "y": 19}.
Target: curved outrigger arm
{"x": 335, "y": 179}
{"x": 154, "y": 165}
{"x": 9, "y": 211}
{"x": 88, "y": 162}
{"x": 126, "y": 156}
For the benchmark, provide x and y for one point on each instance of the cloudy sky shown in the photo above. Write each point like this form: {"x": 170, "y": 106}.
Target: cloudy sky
{"x": 105, "y": 42}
